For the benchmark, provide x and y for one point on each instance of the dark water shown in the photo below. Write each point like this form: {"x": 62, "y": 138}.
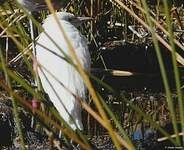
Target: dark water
{"x": 140, "y": 59}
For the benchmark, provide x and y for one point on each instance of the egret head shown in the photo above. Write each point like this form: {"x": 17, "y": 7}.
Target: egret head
{"x": 74, "y": 20}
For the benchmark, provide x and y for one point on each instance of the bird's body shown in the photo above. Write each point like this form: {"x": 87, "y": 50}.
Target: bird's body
{"x": 64, "y": 101}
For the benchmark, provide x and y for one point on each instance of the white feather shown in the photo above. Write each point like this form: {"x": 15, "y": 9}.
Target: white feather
{"x": 62, "y": 70}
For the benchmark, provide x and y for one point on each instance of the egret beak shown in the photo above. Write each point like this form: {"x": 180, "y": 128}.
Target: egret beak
{"x": 85, "y": 18}
{"x": 78, "y": 21}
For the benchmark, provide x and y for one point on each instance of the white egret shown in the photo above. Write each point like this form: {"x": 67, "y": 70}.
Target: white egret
{"x": 62, "y": 70}
{"x": 63, "y": 101}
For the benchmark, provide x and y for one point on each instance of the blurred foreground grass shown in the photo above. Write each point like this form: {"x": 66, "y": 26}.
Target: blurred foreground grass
{"x": 116, "y": 22}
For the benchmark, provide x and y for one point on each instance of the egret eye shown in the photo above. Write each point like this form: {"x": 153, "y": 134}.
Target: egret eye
{"x": 69, "y": 19}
